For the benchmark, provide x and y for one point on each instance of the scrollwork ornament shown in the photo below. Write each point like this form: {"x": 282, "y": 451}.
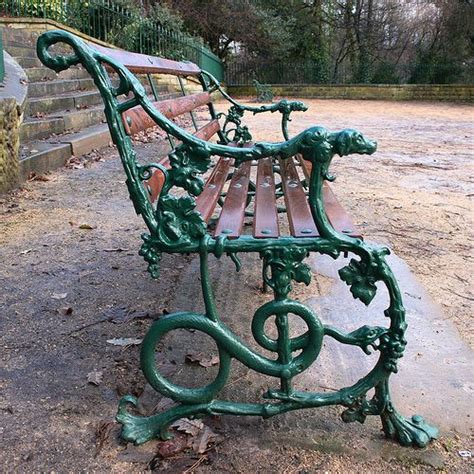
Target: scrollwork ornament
{"x": 361, "y": 275}
{"x": 286, "y": 264}
{"x": 179, "y": 223}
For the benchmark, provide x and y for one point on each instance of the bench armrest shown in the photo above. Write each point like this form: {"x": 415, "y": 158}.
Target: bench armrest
{"x": 236, "y": 112}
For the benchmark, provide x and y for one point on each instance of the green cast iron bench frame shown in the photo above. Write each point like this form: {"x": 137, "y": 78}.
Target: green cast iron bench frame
{"x": 181, "y": 223}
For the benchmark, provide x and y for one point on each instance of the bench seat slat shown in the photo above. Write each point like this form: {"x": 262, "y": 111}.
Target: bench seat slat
{"x": 337, "y": 215}
{"x": 136, "y": 119}
{"x": 232, "y": 215}
{"x": 266, "y": 215}
{"x": 297, "y": 207}
{"x": 145, "y": 64}
{"x": 207, "y": 200}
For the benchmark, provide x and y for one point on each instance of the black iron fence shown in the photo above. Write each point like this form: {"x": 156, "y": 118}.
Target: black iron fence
{"x": 245, "y": 71}
{"x": 119, "y": 24}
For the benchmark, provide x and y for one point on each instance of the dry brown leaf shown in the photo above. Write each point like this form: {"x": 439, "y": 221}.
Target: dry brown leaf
{"x": 87, "y": 226}
{"x": 201, "y": 359}
{"x": 95, "y": 377}
{"x": 170, "y": 448}
{"x": 207, "y": 436}
{"x": 191, "y": 427}
{"x": 125, "y": 341}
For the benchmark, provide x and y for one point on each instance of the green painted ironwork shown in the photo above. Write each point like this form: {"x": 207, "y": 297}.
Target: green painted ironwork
{"x": 119, "y": 24}
{"x": 176, "y": 227}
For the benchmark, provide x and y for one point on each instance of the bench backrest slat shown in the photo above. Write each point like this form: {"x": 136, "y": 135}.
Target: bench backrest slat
{"x": 155, "y": 183}
{"x": 136, "y": 119}
{"x": 144, "y": 64}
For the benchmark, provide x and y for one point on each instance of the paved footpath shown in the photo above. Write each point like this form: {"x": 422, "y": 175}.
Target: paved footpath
{"x": 69, "y": 252}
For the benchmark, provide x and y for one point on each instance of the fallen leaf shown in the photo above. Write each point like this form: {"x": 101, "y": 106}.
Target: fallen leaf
{"x": 87, "y": 227}
{"x": 125, "y": 341}
{"x": 102, "y": 433}
{"x": 209, "y": 362}
{"x": 24, "y": 252}
{"x": 201, "y": 443}
{"x": 201, "y": 359}
{"x": 65, "y": 311}
{"x": 36, "y": 177}
{"x": 170, "y": 448}
{"x": 191, "y": 427}
{"x": 95, "y": 377}
{"x": 122, "y": 314}
{"x": 58, "y": 296}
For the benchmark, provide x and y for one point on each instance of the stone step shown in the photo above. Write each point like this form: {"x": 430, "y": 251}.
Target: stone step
{"x": 91, "y": 138}
{"x": 38, "y": 128}
{"x": 28, "y": 62}
{"x": 40, "y": 106}
{"x": 40, "y": 157}
{"x": 40, "y": 89}
{"x": 23, "y": 51}
{"x": 42, "y": 74}
{"x": 46, "y": 155}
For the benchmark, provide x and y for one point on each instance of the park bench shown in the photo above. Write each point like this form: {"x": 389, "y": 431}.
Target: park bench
{"x": 261, "y": 182}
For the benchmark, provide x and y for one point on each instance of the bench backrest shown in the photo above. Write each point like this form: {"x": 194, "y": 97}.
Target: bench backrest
{"x": 118, "y": 107}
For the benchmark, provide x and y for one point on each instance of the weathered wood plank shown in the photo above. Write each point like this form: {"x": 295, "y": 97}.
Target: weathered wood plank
{"x": 207, "y": 200}
{"x": 266, "y": 215}
{"x": 337, "y": 215}
{"x": 297, "y": 207}
{"x": 231, "y": 220}
{"x": 136, "y": 119}
{"x": 145, "y": 64}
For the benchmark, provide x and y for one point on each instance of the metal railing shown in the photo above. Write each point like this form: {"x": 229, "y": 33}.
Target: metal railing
{"x": 244, "y": 71}
{"x": 119, "y": 24}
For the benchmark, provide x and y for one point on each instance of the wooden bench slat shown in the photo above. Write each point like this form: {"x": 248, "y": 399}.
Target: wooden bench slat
{"x": 297, "y": 207}
{"x": 231, "y": 220}
{"x": 155, "y": 183}
{"x": 208, "y": 131}
{"x": 136, "y": 119}
{"x": 145, "y": 64}
{"x": 266, "y": 215}
{"x": 207, "y": 200}
{"x": 337, "y": 215}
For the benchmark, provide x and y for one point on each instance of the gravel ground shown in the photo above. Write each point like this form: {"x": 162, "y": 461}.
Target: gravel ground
{"x": 71, "y": 270}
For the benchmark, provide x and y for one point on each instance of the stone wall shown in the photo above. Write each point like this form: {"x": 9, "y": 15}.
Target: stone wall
{"x": 10, "y": 117}
{"x": 447, "y": 92}
{"x": 12, "y": 102}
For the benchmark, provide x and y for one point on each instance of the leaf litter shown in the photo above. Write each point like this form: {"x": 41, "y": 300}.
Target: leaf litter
{"x": 200, "y": 359}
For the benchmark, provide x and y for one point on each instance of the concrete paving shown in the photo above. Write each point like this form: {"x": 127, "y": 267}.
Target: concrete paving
{"x": 434, "y": 378}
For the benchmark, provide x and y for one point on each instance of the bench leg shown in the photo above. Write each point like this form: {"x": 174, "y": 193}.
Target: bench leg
{"x": 281, "y": 267}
